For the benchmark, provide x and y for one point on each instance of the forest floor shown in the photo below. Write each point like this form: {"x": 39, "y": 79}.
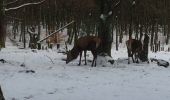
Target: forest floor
{"x": 42, "y": 75}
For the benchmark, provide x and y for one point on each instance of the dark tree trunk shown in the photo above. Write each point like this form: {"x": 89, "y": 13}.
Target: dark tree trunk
{"x": 156, "y": 35}
{"x": 130, "y": 31}
{"x": 168, "y": 34}
{"x": 144, "y": 54}
{"x": 70, "y": 33}
{"x": 121, "y": 34}
{"x": 75, "y": 33}
{"x": 117, "y": 33}
{"x": 104, "y": 30}
{"x": 24, "y": 37}
{"x": 2, "y": 26}
{"x": 141, "y": 32}
{"x": 15, "y": 29}
{"x": 152, "y": 34}
{"x": 38, "y": 36}
{"x": 136, "y": 30}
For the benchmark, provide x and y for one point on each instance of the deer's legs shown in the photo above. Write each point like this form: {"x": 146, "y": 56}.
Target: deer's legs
{"x": 128, "y": 60}
{"x": 94, "y": 58}
{"x": 85, "y": 57}
{"x": 136, "y": 57}
{"x": 80, "y": 58}
{"x": 133, "y": 59}
{"x": 94, "y": 62}
{"x": 129, "y": 55}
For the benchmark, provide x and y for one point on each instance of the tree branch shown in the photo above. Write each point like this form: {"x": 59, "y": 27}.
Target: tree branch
{"x": 24, "y": 5}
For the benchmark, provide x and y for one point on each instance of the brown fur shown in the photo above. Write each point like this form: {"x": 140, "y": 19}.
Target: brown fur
{"x": 134, "y": 48}
{"x": 90, "y": 43}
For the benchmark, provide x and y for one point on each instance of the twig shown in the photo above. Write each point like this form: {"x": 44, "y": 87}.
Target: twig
{"x": 50, "y": 59}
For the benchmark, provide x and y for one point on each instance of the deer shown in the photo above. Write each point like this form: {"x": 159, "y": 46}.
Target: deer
{"x": 86, "y": 43}
{"x": 134, "y": 48}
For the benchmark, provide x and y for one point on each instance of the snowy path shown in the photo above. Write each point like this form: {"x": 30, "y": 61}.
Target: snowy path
{"x": 58, "y": 81}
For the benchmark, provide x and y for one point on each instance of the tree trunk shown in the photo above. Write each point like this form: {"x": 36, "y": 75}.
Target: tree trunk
{"x": 75, "y": 33}
{"x": 168, "y": 34}
{"x": 130, "y": 31}
{"x": 38, "y": 36}
{"x": 156, "y": 35}
{"x": 136, "y": 30}
{"x": 2, "y": 25}
{"x": 121, "y": 33}
{"x": 104, "y": 29}
{"x": 141, "y": 32}
{"x": 117, "y": 33}
{"x": 70, "y": 33}
{"x": 24, "y": 37}
{"x": 152, "y": 34}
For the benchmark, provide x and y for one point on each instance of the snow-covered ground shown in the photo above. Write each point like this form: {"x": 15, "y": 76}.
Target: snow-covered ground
{"x": 43, "y": 75}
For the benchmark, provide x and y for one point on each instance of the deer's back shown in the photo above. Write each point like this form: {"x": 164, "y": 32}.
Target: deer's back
{"x": 88, "y": 43}
{"x": 134, "y": 44}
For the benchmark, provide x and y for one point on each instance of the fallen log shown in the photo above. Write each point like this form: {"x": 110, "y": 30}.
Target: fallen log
{"x": 160, "y": 62}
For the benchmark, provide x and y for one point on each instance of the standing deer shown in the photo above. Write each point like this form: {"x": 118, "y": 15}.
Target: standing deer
{"x": 90, "y": 43}
{"x": 134, "y": 48}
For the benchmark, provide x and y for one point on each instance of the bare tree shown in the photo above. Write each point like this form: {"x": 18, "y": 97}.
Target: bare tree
{"x": 106, "y": 15}
{"x": 4, "y": 10}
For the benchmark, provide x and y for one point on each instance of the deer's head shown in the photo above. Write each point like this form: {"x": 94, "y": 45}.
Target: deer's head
{"x": 69, "y": 57}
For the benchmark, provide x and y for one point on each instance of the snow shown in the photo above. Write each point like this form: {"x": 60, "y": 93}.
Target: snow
{"x": 110, "y": 13}
{"x": 103, "y": 17}
{"x": 55, "y": 80}
{"x": 133, "y": 3}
